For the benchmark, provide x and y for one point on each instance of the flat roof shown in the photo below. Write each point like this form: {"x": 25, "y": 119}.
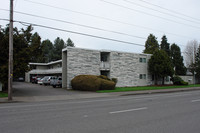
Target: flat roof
{"x": 102, "y": 50}
{"x": 45, "y": 64}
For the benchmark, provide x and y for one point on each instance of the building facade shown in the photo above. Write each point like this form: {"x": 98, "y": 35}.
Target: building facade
{"x": 44, "y": 69}
{"x": 130, "y": 69}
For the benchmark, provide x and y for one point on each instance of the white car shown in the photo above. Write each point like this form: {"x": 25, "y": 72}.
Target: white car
{"x": 47, "y": 80}
{"x": 40, "y": 81}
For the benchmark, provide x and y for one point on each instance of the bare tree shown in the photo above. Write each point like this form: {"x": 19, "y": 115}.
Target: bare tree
{"x": 190, "y": 52}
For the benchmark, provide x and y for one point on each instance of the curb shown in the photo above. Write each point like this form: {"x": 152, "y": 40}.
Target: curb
{"x": 127, "y": 93}
{"x": 5, "y": 100}
{"x": 161, "y": 91}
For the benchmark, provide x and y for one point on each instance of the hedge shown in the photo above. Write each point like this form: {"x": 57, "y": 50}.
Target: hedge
{"x": 92, "y": 83}
{"x": 178, "y": 81}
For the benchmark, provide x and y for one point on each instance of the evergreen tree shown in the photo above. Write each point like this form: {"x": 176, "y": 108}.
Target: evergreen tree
{"x": 151, "y": 44}
{"x": 160, "y": 65}
{"x": 35, "y": 48}
{"x": 177, "y": 60}
{"x": 197, "y": 63}
{"x": 70, "y": 43}
{"x": 59, "y": 44}
{"x": 4, "y": 41}
{"x": 165, "y": 45}
{"x": 47, "y": 50}
{"x": 21, "y": 51}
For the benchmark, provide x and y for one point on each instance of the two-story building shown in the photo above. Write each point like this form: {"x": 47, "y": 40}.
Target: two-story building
{"x": 130, "y": 69}
{"x": 44, "y": 69}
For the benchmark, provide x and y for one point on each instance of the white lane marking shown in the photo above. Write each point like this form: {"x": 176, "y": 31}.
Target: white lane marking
{"x": 197, "y": 100}
{"x": 85, "y": 116}
{"x": 129, "y": 110}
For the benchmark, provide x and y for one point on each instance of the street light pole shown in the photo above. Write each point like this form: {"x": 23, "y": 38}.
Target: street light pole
{"x": 10, "y": 63}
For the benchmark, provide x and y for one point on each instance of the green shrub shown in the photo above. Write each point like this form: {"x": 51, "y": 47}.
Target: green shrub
{"x": 178, "y": 81}
{"x": 92, "y": 83}
{"x": 107, "y": 85}
{"x": 86, "y": 83}
{"x": 103, "y": 77}
{"x": 114, "y": 80}
{"x": 184, "y": 83}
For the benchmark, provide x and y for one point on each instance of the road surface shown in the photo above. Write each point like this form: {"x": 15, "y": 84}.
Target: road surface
{"x": 155, "y": 113}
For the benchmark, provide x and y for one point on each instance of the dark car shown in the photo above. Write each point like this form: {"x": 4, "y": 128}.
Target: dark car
{"x": 35, "y": 79}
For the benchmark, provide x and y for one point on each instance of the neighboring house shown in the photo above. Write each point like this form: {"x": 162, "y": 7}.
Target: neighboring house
{"x": 129, "y": 68}
{"x": 43, "y": 69}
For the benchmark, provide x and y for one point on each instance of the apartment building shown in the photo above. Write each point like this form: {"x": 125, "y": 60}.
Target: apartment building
{"x": 44, "y": 69}
{"x": 131, "y": 69}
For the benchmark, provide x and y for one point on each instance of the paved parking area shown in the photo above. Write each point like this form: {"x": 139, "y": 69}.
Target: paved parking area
{"x": 23, "y": 89}
{"x": 28, "y": 92}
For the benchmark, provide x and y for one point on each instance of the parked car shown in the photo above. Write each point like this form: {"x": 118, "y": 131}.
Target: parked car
{"x": 56, "y": 82}
{"x": 47, "y": 80}
{"x": 40, "y": 82}
{"x": 52, "y": 80}
{"x": 21, "y": 79}
{"x": 34, "y": 79}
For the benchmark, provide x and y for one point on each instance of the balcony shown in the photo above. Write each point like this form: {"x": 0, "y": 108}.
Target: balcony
{"x": 104, "y": 66}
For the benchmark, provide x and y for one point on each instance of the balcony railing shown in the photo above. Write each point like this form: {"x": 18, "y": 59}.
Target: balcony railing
{"x": 104, "y": 66}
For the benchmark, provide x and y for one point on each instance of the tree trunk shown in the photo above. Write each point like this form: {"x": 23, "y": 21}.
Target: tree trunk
{"x": 156, "y": 80}
{"x": 163, "y": 80}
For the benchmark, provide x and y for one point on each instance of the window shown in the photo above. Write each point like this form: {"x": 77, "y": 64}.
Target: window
{"x": 167, "y": 79}
{"x": 143, "y": 60}
{"x": 142, "y": 76}
{"x": 105, "y": 56}
{"x": 140, "y": 59}
{"x": 105, "y": 73}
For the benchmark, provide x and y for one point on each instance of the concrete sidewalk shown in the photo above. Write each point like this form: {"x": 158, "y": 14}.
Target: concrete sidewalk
{"x": 93, "y": 95}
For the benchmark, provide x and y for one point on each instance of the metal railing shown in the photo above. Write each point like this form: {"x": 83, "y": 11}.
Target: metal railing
{"x": 104, "y": 66}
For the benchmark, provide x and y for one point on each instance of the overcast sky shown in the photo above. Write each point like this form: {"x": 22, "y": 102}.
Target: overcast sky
{"x": 136, "y": 19}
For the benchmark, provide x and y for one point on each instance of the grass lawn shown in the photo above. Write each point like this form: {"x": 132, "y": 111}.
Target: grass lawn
{"x": 139, "y": 88}
{"x": 3, "y": 94}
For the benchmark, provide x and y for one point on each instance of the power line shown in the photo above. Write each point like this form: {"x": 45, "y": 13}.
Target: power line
{"x": 107, "y": 19}
{"x": 79, "y": 33}
{"x": 74, "y": 32}
{"x": 170, "y": 14}
{"x": 163, "y": 8}
{"x": 170, "y": 20}
{"x": 72, "y": 23}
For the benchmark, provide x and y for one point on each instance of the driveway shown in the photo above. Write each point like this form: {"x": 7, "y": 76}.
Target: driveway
{"x": 28, "y": 92}
{"x": 23, "y": 89}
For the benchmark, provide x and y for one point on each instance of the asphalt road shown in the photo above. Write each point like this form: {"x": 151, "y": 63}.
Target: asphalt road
{"x": 155, "y": 113}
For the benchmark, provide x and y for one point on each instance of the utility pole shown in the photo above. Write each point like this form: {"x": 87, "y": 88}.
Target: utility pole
{"x": 194, "y": 63}
{"x": 10, "y": 63}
